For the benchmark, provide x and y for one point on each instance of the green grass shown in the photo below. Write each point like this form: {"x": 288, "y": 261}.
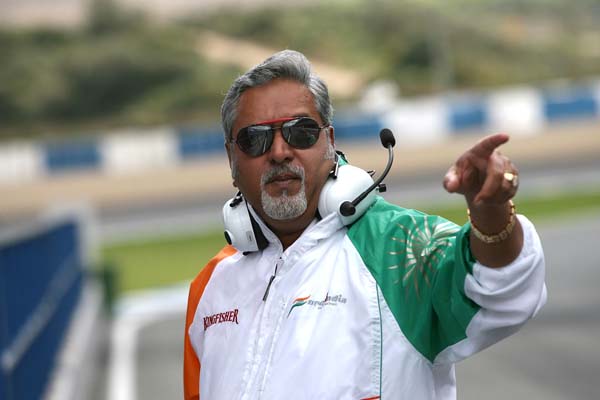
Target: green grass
{"x": 537, "y": 209}
{"x": 162, "y": 261}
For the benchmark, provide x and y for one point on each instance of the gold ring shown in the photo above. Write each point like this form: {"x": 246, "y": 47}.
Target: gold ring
{"x": 512, "y": 178}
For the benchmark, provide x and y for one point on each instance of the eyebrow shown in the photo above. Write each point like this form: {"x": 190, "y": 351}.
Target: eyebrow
{"x": 274, "y": 121}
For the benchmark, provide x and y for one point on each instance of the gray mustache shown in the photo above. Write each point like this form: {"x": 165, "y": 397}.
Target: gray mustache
{"x": 282, "y": 169}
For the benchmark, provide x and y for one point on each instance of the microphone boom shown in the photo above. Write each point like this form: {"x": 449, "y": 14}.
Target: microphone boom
{"x": 348, "y": 208}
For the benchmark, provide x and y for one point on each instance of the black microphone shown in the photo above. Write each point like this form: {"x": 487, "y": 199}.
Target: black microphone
{"x": 387, "y": 138}
{"x": 348, "y": 208}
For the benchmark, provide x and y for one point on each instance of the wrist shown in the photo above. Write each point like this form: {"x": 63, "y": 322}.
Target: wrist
{"x": 493, "y": 224}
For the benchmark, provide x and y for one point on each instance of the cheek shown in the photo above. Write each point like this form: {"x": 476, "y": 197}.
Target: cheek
{"x": 249, "y": 180}
{"x": 235, "y": 171}
{"x": 317, "y": 171}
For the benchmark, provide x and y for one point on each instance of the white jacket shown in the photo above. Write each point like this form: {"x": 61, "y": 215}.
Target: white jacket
{"x": 378, "y": 310}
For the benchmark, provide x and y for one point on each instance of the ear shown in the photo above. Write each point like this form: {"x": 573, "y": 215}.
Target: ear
{"x": 226, "y": 145}
{"x": 331, "y": 133}
{"x": 230, "y": 157}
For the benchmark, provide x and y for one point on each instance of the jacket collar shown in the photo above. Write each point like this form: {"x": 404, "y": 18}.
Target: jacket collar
{"x": 314, "y": 232}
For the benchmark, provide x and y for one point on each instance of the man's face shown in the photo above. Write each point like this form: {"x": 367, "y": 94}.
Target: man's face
{"x": 283, "y": 184}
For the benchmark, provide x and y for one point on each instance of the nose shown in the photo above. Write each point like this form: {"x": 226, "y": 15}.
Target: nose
{"x": 280, "y": 151}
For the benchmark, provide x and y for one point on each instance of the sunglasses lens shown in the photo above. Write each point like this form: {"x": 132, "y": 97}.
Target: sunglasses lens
{"x": 301, "y": 133}
{"x": 255, "y": 140}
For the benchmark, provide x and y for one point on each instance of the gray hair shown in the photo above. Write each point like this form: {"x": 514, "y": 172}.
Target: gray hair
{"x": 286, "y": 64}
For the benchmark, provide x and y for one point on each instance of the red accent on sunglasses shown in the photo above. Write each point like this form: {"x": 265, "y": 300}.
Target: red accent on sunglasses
{"x": 274, "y": 121}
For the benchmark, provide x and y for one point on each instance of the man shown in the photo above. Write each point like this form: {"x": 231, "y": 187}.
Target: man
{"x": 381, "y": 308}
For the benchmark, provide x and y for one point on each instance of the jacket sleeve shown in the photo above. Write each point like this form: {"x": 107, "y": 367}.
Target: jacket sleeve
{"x": 191, "y": 363}
{"x": 447, "y": 305}
{"x": 504, "y": 298}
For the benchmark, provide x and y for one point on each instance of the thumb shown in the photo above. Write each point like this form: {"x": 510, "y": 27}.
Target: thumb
{"x": 451, "y": 180}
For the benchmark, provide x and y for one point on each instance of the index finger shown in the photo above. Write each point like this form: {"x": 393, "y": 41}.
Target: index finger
{"x": 486, "y": 146}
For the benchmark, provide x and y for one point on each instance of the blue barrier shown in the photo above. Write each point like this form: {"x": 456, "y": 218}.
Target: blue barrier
{"x": 40, "y": 283}
{"x": 569, "y": 104}
{"x": 197, "y": 141}
{"x": 76, "y": 155}
{"x": 467, "y": 114}
{"x": 473, "y": 112}
{"x": 362, "y": 127}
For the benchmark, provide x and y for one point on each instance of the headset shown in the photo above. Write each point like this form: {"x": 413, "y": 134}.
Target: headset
{"x": 345, "y": 182}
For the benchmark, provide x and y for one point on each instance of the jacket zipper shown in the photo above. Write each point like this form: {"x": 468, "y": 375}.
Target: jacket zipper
{"x": 271, "y": 280}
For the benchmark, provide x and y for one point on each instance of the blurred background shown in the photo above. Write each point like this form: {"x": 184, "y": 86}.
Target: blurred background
{"x": 113, "y": 172}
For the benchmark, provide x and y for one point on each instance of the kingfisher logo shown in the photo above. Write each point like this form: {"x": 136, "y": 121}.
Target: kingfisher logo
{"x": 319, "y": 304}
{"x": 219, "y": 318}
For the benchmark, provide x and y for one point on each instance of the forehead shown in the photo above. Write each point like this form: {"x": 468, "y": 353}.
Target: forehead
{"x": 274, "y": 100}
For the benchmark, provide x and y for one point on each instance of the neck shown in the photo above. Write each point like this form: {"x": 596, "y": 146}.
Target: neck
{"x": 288, "y": 239}
{"x": 289, "y": 231}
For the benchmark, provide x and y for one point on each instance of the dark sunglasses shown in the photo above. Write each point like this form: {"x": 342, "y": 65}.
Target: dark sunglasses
{"x": 256, "y": 140}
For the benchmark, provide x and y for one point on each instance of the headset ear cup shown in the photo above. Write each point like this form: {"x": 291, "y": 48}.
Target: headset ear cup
{"x": 241, "y": 230}
{"x": 351, "y": 181}
{"x": 261, "y": 240}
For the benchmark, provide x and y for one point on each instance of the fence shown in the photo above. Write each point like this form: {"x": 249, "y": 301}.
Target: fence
{"x": 41, "y": 272}
{"x": 522, "y": 110}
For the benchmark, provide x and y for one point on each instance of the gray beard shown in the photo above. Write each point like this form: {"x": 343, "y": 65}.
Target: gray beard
{"x": 283, "y": 207}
